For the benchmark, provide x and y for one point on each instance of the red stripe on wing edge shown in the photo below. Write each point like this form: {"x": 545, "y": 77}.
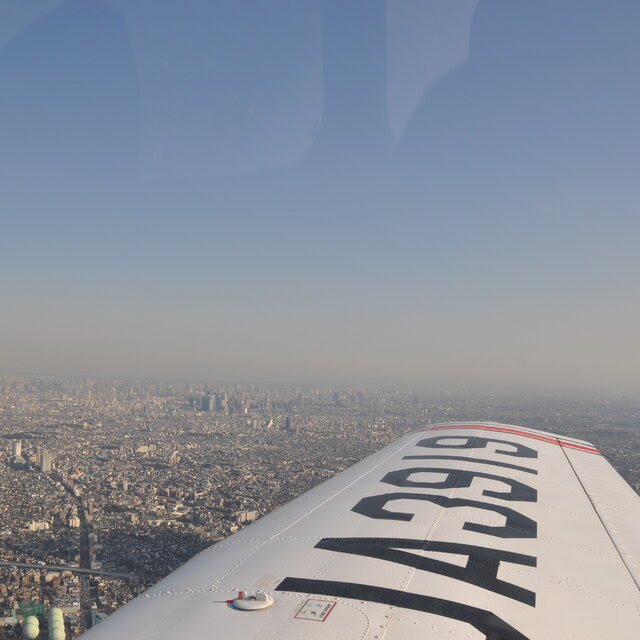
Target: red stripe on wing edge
{"x": 519, "y": 432}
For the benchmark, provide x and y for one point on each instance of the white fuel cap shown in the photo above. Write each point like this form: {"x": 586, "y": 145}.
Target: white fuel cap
{"x": 249, "y": 602}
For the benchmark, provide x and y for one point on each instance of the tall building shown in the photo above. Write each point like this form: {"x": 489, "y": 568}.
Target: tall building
{"x": 46, "y": 462}
{"x": 206, "y": 403}
{"x": 246, "y": 516}
{"x": 17, "y": 448}
{"x": 222, "y": 401}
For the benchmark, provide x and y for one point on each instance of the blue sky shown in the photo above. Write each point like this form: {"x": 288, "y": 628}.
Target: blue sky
{"x": 406, "y": 192}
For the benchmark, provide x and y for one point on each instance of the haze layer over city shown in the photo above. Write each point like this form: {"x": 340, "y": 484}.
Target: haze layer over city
{"x": 245, "y": 244}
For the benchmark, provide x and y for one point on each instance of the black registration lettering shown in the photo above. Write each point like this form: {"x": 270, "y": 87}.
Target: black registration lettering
{"x": 486, "y": 622}
{"x": 462, "y": 478}
{"x": 481, "y": 568}
{"x": 478, "y": 442}
{"x": 517, "y": 525}
{"x": 495, "y": 463}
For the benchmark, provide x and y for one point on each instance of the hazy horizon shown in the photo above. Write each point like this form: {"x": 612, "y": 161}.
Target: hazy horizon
{"x": 417, "y": 193}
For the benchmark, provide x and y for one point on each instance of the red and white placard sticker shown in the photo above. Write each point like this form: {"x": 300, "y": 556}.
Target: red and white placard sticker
{"x": 317, "y": 610}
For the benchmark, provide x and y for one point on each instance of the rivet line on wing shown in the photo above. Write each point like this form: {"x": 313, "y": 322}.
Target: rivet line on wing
{"x": 363, "y": 612}
{"x": 261, "y": 542}
{"x": 182, "y": 592}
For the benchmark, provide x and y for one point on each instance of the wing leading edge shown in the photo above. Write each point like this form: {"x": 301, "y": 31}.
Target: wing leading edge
{"x": 463, "y": 530}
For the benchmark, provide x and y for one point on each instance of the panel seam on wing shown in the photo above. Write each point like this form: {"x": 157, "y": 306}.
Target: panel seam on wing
{"x": 428, "y": 537}
{"x": 634, "y": 593}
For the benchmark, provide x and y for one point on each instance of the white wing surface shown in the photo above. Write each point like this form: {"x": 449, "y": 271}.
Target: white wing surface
{"x": 454, "y": 531}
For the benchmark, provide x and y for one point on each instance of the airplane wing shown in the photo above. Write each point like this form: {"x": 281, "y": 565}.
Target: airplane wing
{"x": 454, "y": 531}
